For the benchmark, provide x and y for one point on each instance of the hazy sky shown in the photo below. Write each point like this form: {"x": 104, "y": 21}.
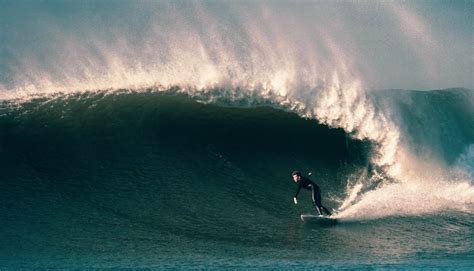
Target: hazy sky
{"x": 393, "y": 44}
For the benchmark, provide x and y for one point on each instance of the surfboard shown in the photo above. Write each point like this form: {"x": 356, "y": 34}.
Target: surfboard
{"x": 318, "y": 219}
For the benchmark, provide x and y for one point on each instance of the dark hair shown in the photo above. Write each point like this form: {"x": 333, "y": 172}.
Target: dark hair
{"x": 296, "y": 172}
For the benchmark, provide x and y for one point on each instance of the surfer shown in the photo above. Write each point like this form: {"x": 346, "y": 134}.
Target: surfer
{"x": 306, "y": 183}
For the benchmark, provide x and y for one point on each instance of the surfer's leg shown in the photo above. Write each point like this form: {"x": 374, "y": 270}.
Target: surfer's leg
{"x": 326, "y": 210}
{"x": 316, "y": 196}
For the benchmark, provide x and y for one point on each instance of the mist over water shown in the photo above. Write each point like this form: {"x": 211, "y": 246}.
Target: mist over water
{"x": 278, "y": 46}
{"x": 121, "y": 99}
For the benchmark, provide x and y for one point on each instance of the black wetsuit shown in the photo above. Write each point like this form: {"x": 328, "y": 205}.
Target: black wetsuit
{"x": 316, "y": 194}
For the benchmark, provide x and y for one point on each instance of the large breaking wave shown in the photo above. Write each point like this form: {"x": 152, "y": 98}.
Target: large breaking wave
{"x": 209, "y": 149}
{"x": 419, "y": 159}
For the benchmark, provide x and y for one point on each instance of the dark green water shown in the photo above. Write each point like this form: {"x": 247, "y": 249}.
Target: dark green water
{"x": 159, "y": 180}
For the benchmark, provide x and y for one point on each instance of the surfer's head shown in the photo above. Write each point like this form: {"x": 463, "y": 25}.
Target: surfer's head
{"x": 296, "y": 175}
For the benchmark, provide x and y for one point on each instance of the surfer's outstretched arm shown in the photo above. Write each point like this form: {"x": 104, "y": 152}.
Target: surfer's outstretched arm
{"x": 297, "y": 191}
{"x": 295, "y": 200}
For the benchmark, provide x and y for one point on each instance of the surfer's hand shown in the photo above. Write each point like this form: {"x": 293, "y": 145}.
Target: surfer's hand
{"x": 296, "y": 201}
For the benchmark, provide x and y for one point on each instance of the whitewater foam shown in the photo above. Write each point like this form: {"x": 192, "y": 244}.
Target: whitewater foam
{"x": 465, "y": 162}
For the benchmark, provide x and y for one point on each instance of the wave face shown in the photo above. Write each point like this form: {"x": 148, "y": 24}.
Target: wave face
{"x": 169, "y": 150}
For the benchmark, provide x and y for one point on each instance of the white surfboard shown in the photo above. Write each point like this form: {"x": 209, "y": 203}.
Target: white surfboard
{"x": 318, "y": 219}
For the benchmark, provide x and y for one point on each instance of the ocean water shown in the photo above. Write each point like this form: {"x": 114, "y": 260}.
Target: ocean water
{"x": 161, "y": 180}
{"x": 163, "y": 134}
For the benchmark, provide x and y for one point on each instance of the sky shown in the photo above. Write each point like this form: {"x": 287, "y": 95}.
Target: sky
{"x": 48, "y": 46}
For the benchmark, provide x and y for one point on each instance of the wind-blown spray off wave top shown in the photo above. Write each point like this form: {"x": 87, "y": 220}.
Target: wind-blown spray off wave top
{"x": 282, "y": 48}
